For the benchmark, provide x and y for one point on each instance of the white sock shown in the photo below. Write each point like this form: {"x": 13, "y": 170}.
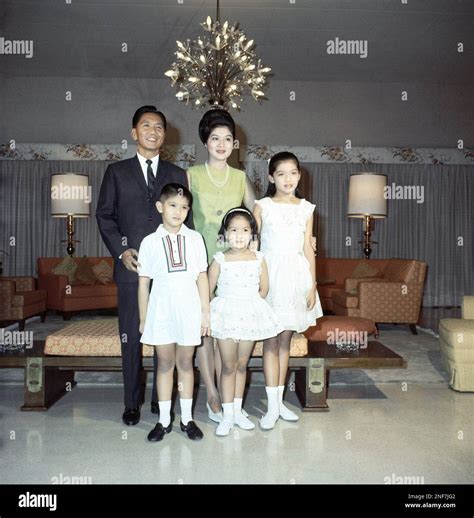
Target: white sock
{"x": 165, "y": 412}
{"x": 272, "y": 395}
{"x": 186, "y": 412}
{"x": 281, "y": 389}
{"x": 228, "y": 411}
{"x": 237, "y": 405}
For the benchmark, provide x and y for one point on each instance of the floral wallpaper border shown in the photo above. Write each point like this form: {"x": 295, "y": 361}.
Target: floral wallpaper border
{"x": 363, "y": 155}
{"x": 173, "y": 153}
{"x": 250, "y": 153}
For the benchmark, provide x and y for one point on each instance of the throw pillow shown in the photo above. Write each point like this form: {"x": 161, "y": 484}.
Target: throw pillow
{"x": 365, "y": 269}
{"x": 84, "y": 274}
{"x": 66, "y": 267}
{"x": 103, "y": 272}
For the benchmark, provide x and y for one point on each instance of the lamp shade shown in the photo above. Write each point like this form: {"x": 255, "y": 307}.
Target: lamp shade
{"x": 70, "y": 195}
{"x": 366, "y": 195}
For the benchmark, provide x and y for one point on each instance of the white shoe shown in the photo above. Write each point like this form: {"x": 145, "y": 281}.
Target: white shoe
{"x": 287, "y": 414}
{"x": 267, "y": 422}
{"x": 224, "y": 428}
{"x": 242, "y": 421}
{"x": 217, "y": 417}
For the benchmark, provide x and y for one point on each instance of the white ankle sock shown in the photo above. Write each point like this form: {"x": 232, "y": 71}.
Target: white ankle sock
{"x": 228, "y": 411}
{"x": 281, "y": 389}
{"x": 237, "y": 405}
{"x": 165, "y": 412}
{"x": 272, "y": 395}
{"x": 186, "y": 412}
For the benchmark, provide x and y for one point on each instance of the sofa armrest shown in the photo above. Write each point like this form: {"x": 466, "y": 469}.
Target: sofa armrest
{"x": 351, "y": 284}
{"x": 7, "y": 290}
{"x": 468, "y": 307}
{"x": 55, "y": 286}
{"x": 24, "y": 283}
{"x": 390, "y": 301}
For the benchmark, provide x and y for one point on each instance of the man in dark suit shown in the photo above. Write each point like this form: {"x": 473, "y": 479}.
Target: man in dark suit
{"x": 126, "y": 213}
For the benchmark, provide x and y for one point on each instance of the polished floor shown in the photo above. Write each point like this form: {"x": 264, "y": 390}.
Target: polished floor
{"x": 423, "y": 434}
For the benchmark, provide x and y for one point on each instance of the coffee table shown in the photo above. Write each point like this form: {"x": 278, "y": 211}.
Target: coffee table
{"x": 312, "y": 370}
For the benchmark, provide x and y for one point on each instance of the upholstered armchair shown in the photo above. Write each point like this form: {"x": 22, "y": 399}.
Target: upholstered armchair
{"x": 395, "y": 297}
{"x": 456, "y": 339}
{"x": 19, "y": 300}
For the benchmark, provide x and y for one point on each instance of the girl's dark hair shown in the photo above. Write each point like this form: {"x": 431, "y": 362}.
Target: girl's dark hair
{"x": 213, "y": 119}
{"x": 175, "y": 189}
{"x": 276, "y": 159}
{"x": 234, "y": 213}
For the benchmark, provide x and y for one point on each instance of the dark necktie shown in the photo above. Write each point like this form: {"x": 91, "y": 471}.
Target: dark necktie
{"x": 150, "y": 176}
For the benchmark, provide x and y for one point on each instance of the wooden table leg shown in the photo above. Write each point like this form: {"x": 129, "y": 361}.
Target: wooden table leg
{"x": 45, "y": 385}
{"x": 311, "y": 386}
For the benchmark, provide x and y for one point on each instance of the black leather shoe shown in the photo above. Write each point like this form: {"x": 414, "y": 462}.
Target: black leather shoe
{"x": 131, "y": 416}
{"x": 194, "y": 433}
{"x": 155, "y": 408}
{"x": 159, "y": 431}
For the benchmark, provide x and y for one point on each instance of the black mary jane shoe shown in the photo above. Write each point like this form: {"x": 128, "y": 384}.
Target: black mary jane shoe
{"x": 159, "y": 432}
{"x": 131, "y": 416}
{"x": 155, "y": 408}
{"x": 193, "y": 432}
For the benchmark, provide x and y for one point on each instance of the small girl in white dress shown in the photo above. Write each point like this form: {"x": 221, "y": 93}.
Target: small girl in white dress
{"x": 239, "y": 313}
{"x": 175, "y": 315}
{"x": 285, "y": 222}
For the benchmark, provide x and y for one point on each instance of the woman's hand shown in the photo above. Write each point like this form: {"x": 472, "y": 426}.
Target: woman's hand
{"x": 313, "y": 243}
{"x": 205, "y": 324}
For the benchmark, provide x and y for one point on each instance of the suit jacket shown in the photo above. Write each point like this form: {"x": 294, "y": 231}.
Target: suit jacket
{"x": 125, "y": 211}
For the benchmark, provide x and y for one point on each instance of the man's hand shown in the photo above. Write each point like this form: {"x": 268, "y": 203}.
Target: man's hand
{"x": 129, "y": 259}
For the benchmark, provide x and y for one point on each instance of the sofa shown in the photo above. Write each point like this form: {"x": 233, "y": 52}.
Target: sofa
{"x": 391, "y": 292}
{"x": 456, "y": 339}
{"x": 19, "y": 300}
{"x": 68, "y": 297}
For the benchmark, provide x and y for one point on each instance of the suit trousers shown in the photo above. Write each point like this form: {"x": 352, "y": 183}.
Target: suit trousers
{"x": 129, "y": 324}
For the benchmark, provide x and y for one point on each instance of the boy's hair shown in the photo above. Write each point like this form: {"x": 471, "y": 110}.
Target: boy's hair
{"x": 276, "y": 159}
{"x": 175, "y": 189}
{"x": 213, "y": 119}
{"x": 147, "y": 109}
{"x": 234, "y": 213}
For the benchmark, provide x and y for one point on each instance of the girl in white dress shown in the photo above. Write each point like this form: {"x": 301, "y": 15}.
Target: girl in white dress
{"x": 285, "y": 222}
{"x": 239, "y": 313}
{"x": 175, "y": 315}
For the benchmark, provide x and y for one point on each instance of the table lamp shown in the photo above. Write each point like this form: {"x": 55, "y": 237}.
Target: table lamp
{"x": 367, "y": 201}
{"x": 70, "y": 198}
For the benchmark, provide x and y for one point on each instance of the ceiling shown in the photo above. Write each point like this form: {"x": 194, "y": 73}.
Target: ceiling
{"x": 413, "y": 42}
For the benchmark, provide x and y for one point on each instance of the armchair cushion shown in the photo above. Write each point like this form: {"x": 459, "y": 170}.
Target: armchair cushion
{"x": 345, "y": 299}
{"x": 25, "y": 298}
{"x": 365, "y": 269}
{"x": 66, "y": 267}
{"x": 351, "y": 285}
{"x": 468, "y": 307}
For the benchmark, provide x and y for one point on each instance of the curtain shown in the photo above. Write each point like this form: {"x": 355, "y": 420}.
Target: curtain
{"x": 27, "y": 230}
{"x": 438, "y": 231}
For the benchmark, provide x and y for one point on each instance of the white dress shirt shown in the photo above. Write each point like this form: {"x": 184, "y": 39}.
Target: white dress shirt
{"x": 144, "y": 165}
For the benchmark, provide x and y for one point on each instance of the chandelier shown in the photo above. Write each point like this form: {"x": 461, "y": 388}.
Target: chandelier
{"x": 216, "y": 70}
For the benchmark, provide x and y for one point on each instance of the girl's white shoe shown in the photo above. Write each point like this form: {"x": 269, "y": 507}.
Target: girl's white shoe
{"x": 214, "y": 416}
{"x": 224, "y": 428}
{"x": 287, "y": 414}
{"x": 267, "y": 422}
{"x": 243, "y": 421}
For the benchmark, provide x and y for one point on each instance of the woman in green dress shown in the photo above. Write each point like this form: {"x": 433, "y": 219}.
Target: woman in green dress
{"x": 216, "y": 188}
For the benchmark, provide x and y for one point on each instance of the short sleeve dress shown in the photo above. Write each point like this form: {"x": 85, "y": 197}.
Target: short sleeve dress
{"x": 282, "y": 241}
{"x": 238, "y": 311}
{"x": 174, "y": 262}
